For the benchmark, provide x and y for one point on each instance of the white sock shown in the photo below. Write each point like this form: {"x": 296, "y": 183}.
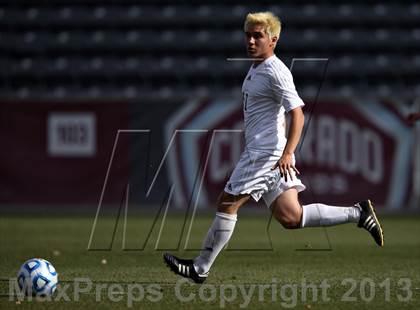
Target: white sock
{"x": 318, "y": 214}
{"x": 217, "y": 237}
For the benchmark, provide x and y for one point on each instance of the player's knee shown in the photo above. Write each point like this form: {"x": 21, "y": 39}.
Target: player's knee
{"x": 230, "y": 204}
{"x": 290, "y": 219}
{"x": 223, "y": 204}
{"x": 220, "y": 203}
{"x": 225, "y": 208}
{"x": 290, "y": 222}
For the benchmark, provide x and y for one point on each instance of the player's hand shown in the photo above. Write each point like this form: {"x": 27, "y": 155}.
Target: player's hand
{"x": 285, "y": 165}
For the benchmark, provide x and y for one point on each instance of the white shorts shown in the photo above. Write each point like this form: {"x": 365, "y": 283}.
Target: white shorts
{"x": 253, "y": 175}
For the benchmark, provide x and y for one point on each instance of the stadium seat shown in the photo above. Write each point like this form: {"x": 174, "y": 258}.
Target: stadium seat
{"x": 188, "y": 44}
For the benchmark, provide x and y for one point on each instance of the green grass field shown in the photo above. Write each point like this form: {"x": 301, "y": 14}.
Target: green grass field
{"x": 342, "y": 262}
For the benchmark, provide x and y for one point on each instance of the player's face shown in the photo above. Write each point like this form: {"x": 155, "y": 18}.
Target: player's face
{"x": 258, "y": 42}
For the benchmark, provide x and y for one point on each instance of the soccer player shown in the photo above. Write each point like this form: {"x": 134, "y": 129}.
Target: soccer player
{"x": 266, "y": 168}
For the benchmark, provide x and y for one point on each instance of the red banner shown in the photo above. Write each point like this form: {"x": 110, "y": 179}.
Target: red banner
{"x": 59, "y": 152}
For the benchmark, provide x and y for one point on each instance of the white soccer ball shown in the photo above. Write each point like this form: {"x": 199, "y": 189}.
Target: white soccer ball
{"x": 37, "y": 276}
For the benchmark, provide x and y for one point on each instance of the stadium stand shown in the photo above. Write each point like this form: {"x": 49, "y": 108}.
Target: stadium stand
{"x": 154, "y": 50}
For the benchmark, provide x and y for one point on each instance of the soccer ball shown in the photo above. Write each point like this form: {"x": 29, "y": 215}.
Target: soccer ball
{"x": 37, "y": 276}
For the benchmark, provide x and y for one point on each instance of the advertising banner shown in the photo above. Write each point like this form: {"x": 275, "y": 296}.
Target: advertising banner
{"x": 349, "y": 151}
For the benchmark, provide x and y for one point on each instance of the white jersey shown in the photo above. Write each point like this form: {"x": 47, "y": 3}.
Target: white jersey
{"x": 268, "y": 92}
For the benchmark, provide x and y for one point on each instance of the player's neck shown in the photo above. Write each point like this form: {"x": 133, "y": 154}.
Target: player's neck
{"x": 261, "y": 59}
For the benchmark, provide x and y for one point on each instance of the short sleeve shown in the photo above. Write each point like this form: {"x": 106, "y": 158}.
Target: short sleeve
{"x": 284, "y": 89}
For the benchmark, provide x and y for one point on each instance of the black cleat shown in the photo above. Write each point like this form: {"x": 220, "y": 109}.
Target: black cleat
{"x": 370, "y": 222}
{"x": 184, "y": 268}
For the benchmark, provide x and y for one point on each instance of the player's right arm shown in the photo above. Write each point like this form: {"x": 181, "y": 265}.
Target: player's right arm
{"x": 285, "y": 163}
{"x": 285, "y": 94}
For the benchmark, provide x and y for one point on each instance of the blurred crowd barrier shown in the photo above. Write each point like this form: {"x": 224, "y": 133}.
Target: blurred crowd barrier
{"x": 92, "y": 153}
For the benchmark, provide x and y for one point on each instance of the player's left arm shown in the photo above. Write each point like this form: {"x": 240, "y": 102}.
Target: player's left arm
{"x": 285, "y": 163}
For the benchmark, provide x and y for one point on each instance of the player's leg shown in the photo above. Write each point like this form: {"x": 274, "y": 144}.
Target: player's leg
{"x": 220, "y": 231}
{"x": 217, "y": 237}
{"x": 288, "y": 211}
{"x": 362, "y": 213}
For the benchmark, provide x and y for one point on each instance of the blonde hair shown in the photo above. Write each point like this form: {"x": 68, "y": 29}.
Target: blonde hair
{"x": 271, "y": 22}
